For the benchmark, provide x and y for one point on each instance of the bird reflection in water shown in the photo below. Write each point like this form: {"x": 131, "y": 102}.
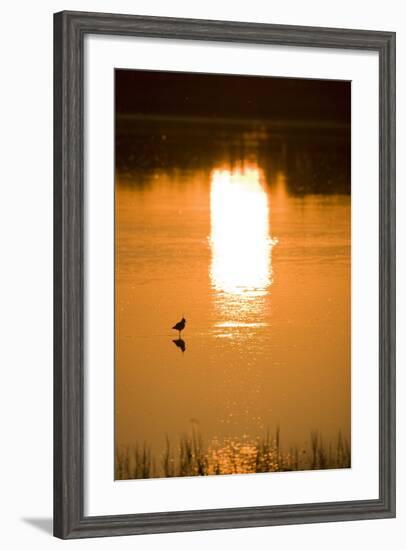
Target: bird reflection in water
{"x": 181, "y": 344}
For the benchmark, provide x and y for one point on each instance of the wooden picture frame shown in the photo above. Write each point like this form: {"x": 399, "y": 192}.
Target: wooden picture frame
{"x": 70, "y": 29}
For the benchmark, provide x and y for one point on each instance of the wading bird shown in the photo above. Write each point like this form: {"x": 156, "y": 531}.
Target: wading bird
{"x": 180, "y": 326}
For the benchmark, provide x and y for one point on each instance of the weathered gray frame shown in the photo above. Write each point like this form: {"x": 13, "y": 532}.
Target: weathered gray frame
{"x": 69, "y": 31}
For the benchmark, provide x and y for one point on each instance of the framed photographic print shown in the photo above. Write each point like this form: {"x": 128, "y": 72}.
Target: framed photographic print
{"x": 224, "y": 274}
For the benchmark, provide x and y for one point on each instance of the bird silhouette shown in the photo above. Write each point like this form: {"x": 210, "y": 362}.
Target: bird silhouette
{"x": 179, "y": 343}
{"x": 180, "y": 326}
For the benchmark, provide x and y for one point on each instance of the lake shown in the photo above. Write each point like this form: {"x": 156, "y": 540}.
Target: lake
{"x": 245, "y": 230}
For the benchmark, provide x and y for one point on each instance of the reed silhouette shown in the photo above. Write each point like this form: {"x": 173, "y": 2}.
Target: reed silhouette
{"x": 189, "y": 456}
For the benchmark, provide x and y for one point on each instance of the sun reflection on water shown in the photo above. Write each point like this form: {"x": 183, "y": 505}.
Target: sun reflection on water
{"x": 241, "y": 244}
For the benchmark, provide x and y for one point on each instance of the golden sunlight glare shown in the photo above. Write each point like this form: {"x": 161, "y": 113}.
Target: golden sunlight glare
{"x": 240, "y": 240}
